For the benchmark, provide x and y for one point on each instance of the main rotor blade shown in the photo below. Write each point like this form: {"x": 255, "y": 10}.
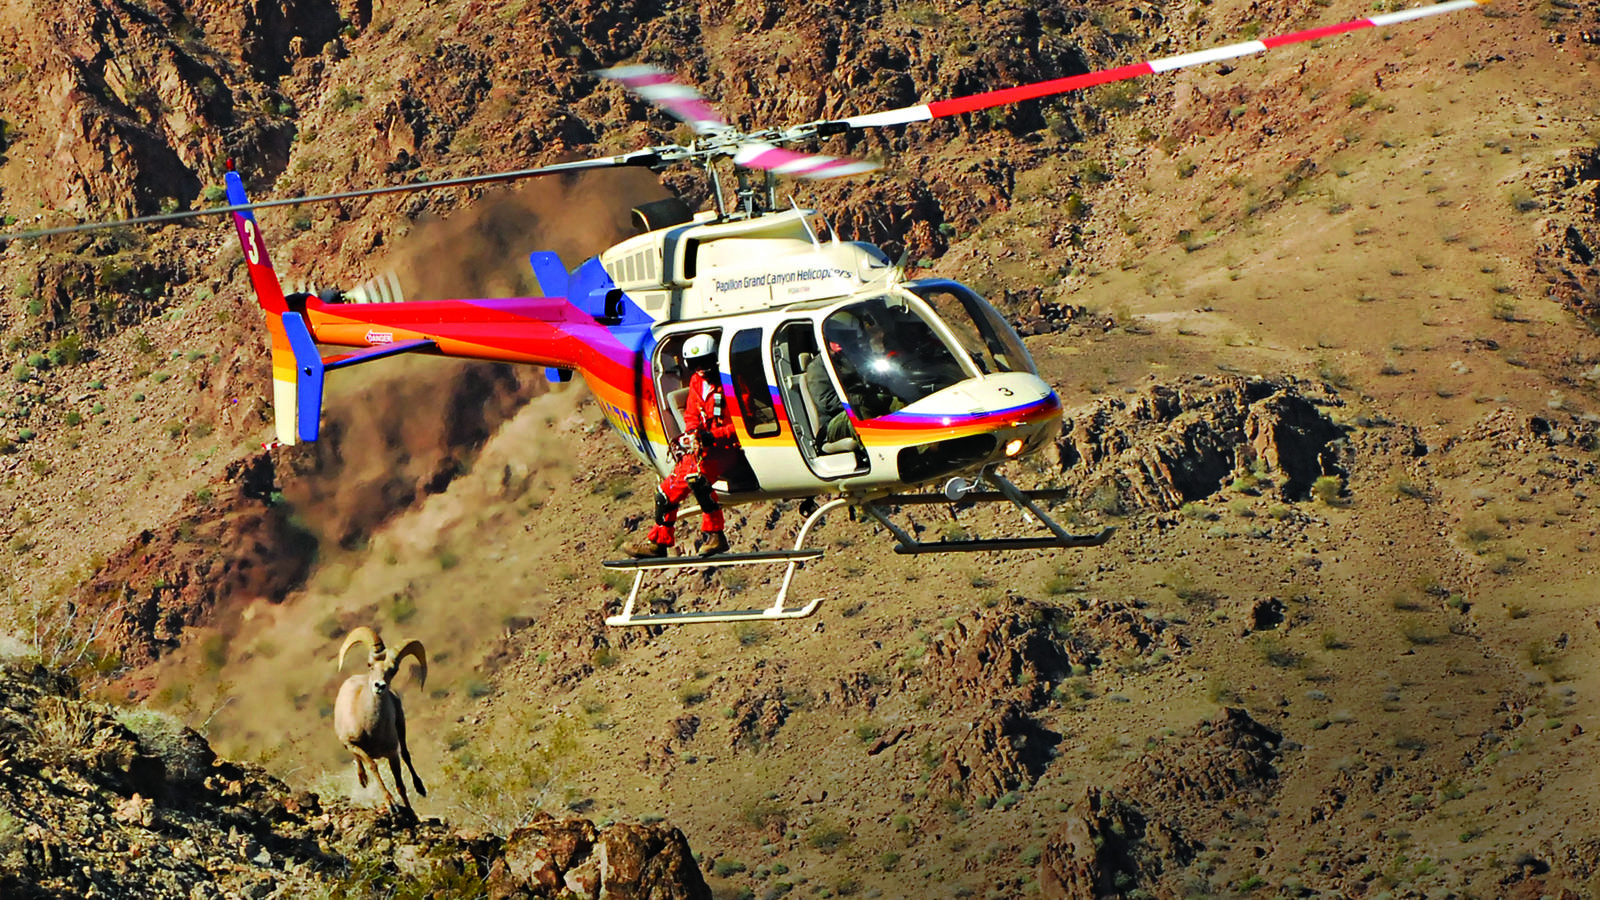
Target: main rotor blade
{"x": 637, "y": 158}
{"x": 940, "y": 108}
{"x": 684, "y": 103}
{"x": 761, "y": 155}
{"x": 661, "y": 88}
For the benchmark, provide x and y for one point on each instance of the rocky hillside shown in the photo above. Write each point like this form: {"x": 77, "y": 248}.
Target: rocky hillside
{"x": 101, "y": 802}
{"x": 1319, "y": 318}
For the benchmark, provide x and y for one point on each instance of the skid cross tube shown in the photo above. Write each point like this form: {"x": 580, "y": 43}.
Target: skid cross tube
{"x": 1008, "y": 492}
{"x": 792, "y": 558}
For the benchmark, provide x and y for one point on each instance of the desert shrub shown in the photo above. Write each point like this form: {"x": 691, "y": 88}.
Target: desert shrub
{"x": 827, "y": 836}
{"x": 165, "y": 735}
{"x": 1327, "y": 489}
{"x": 1120, "y": 95}
{"x": 723, "y": 868}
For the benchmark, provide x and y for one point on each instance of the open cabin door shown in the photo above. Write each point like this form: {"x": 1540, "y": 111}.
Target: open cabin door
{"x": 809, "y": 388}
{"x": 671, "y": 378}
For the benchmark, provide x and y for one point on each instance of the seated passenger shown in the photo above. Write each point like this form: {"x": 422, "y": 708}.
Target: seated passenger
{"x": 834, "y": 423}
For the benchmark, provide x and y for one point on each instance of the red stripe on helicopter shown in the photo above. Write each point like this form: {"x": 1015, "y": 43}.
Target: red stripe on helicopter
{"x": 901, "y": 426}
{"x": 976, "y": 102}
{"x": 1031, "y": 91}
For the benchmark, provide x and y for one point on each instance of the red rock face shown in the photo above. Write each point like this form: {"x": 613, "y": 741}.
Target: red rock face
{"x": 236, "y": 548}
{"x": 133, "y": 113}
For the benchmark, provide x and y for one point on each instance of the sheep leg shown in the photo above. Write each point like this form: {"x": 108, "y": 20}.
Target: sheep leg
{"x": 405, "y": 752}
{"x": 399, "y": 780}
{"x": 362, "y": 761}
{"x": 361, "y": 772}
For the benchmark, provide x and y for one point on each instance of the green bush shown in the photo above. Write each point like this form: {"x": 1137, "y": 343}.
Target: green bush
{"x": 726, "y": 867}
{"x": 827, "y": 837}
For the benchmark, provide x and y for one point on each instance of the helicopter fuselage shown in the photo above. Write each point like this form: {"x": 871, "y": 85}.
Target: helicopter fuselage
{"x": 843, "y": 378}
{"x": 931, "y": 381}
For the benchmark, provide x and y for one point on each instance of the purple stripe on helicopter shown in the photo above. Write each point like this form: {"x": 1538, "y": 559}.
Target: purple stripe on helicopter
{"x": 902, "y": 422}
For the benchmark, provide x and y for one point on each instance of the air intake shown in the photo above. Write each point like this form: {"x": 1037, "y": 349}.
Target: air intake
{"x": 663, "y": 213}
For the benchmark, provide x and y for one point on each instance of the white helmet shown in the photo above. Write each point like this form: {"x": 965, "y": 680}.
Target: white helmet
{"x": 699, "y": 347}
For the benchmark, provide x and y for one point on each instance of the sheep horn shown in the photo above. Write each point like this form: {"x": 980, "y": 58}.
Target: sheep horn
{"x": 413, "y": 648}
{"x": 359, "y": 635}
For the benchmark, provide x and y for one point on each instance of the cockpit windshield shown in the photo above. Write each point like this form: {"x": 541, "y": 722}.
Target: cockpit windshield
{"x": 982, "y": 333}
{"x": 887, "y": 355}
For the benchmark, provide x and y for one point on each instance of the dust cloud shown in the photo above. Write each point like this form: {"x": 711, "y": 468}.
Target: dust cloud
{"x": 401, "y": 430}
{"x": 483, "y": 251}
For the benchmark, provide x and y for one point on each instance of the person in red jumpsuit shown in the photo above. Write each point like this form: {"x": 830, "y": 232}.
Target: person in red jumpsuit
{"x": 708, "y": 448}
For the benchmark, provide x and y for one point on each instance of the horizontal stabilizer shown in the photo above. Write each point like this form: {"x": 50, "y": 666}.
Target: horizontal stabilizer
{"x": 379, "y": 352}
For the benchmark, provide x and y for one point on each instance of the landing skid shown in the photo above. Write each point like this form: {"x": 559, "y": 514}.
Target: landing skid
{"x": 777, "y": 611}
{"x": 721, "y": 559}
{"x": 959, "y": 491}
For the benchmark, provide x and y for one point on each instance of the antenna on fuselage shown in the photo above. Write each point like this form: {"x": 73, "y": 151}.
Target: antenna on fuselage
{"x": 804, "y": 222}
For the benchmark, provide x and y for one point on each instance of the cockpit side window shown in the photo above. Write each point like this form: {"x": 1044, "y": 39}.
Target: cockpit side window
{"x": 981, "y": 331}
{"x": 887, "y": 356}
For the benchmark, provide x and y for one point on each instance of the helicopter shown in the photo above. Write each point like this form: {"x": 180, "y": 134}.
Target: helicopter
{"x": 935, "y": 385}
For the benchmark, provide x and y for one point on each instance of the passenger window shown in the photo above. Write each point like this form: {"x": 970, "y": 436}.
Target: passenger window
{"x": 750, "y": 387}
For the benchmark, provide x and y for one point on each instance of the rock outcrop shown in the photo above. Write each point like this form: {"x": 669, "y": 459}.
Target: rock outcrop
{"x": 1569, "y": 246}
{"x": 104, "y": 802}
{"x": 1011, "y": 654}
{"x": 1003, "y": 751}
{"x": 571, "y": 857}
{"x": 1107, "y": 848}
{"x": 1002, "y": 665}
{"x": 236, "y": 547}
{"x": 1173, "y": 445}
{"x": 1116, "y": 840}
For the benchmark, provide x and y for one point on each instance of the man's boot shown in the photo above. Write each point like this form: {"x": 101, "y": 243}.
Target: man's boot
{"x": 648, "y": 550}
{"x": 712, "y": 543}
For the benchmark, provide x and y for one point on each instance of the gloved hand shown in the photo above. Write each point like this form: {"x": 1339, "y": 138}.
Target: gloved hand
{"x": 688, "y": 442}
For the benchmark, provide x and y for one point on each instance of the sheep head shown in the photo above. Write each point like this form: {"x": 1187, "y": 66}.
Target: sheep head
{"x": 385, "y": 662}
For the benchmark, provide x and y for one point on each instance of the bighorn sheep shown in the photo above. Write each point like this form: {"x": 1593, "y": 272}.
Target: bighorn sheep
{"x": 368, "y": 716}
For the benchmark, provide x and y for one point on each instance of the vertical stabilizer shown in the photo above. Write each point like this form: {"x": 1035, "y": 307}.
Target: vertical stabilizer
{"x": 296, "y": 412}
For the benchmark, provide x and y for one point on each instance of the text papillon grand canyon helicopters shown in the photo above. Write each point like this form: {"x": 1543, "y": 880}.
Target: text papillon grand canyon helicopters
{"x": 935, "y": 384}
